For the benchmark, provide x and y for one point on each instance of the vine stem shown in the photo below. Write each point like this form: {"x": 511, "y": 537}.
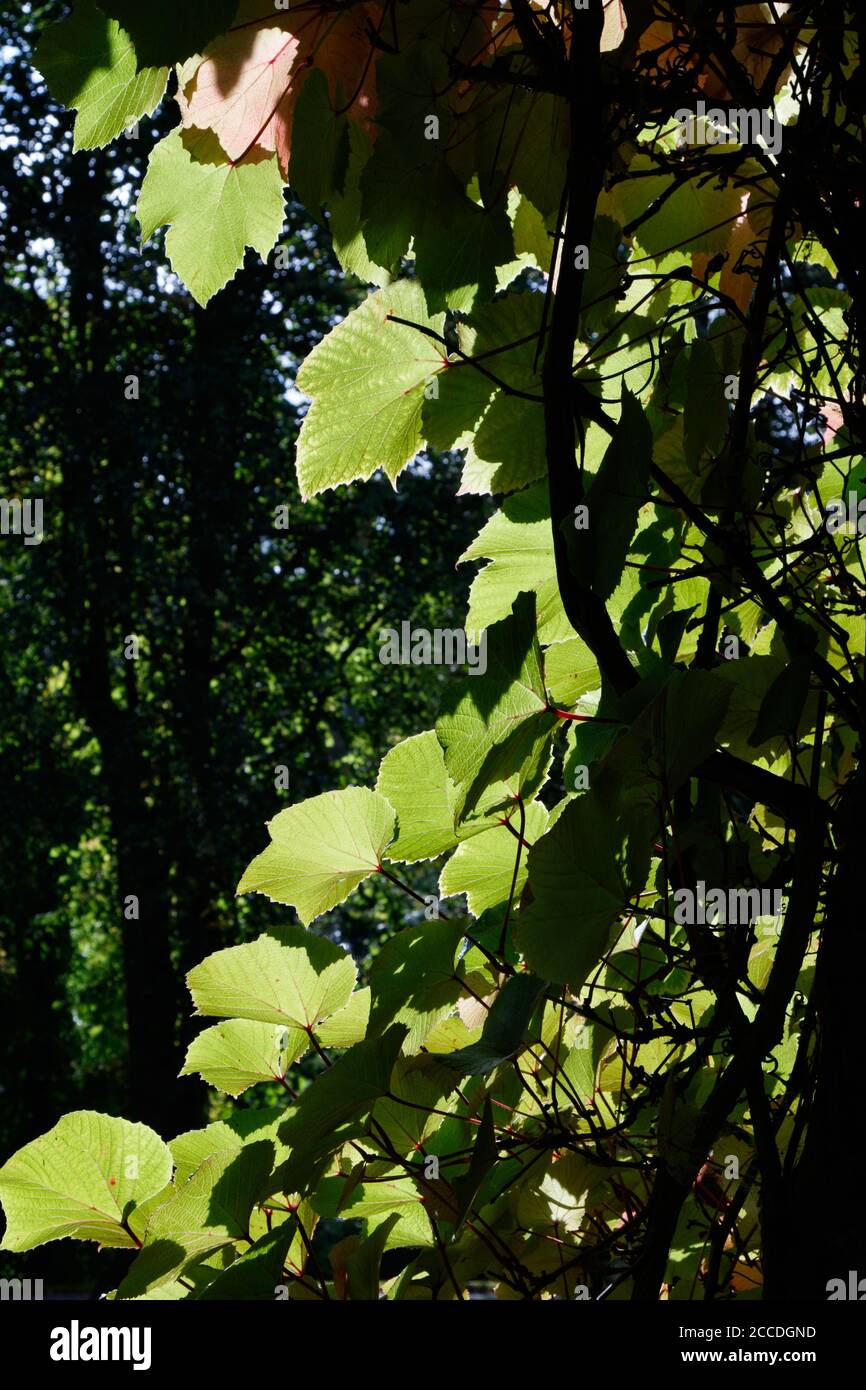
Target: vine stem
{"x": 520, "y": 843}
{"x": 582, "y": 718}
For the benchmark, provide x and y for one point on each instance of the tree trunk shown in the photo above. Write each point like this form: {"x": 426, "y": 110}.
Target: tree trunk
{"x": 824, "y": 1218}
{"x": 94, "y": 612}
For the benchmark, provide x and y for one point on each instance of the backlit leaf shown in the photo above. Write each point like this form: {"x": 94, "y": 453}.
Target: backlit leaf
{"x": 83, "y": 1178}
{"x": 321, "y": 850}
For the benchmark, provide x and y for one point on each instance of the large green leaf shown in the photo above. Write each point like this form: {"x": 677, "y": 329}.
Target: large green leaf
{"x": 459, "y": 245}
{"x": 84, "y": 1178}
{"x": 165, "y": 32}
{"x": 414, "y": 978}
{"x": 256, "y": 1274}
{"x": 214, "y": 209}
{"x": 363, "y": 1264}
{"x": 321, "y": 850}
{"x": 348, "y": 1025}
{"x": 234, "y": 1055}
{"x": 414, "y": 1109}
{"x": 320, "y": 145}
{"x": 670, "y": 737}
{"x": 89, "y": 64}
{"x": 579, "y": 875}
{"x": 504, "y": 1032}
{"x": 694, "y": 215}
{"x": 457, "y": 242}
{"x": 782, "y": 706}
{"x": 506, "y": 429}
{"x": 604, "y": 276}
{"x": 707, "y": 411}
{"x": 413, "y": 779}
{"x": 288, "y": 976}
{"x": 485, "y": 1154}
{"x": 350, "y": 247}
{"x": 490, "y": 400}
{"x": 483, "y": 867}
{"x": 499, "y": 724}
{"x": 519, "y": 544}
{"x": 211, "y": 1210}
{"x": 367, "y": 380}
{"x": 190, "y": 1149}
{"x": 570, "y": 670}
{"x": 751, "y": 710}
{"x": 520, "y": 137}
{"x": 615, "y": 496}
{"x": 330, "y": 1110}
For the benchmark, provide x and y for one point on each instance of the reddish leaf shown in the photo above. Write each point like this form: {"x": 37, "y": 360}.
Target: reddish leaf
{"x": 245, "y": 86}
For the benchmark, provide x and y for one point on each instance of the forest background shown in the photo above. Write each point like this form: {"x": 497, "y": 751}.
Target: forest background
{"x": 164, "y": 520}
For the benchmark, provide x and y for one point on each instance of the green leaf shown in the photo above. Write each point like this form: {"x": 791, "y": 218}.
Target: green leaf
{"x": 84, "y": 1178}
{"x": 485, "y": 1154}
{"x": 570, "y": 670}
{"x": 503, "y": 1035}
{"x": 586, "y": 742}
{"x": 457, "y": 242}
{"x": 330, "y": 1110}
{"x": 366, "y": 380}
{"x": 288, "y": 976}
{"x": 413, "y": 779}
{"x": 521, "y": 137}
{"x": 89, "y": 64}
{"x": 556, "y": 1196}
{"x": 750, "y": 680}
{"x": 343, "y": 1197}
{"x": 483, "y": 867}
{"x": 499, "y": 723}
{"x": 677, "y": 1125}
{"x": 240, "y": 1052}
{"x": 615, "y": 496}
{"x": 347, "y": 1026}
{"x": 580, "y": 1066}
{"x": 670, "y": 737}
{"x": 211, "y": 1210}
{"x": 458, "y": 245}
{"x": 364, "y": 1265}
{"x": 214, "y": 209}
{"x": 533, "y": 242}
{"x": 519, "y": 543}
{"x": 579, "y": 876}
{"x": 782, "y": 706}
{"x": 697, "y": 216}
{"x": 256, "y": 1274}
{"x": 414, "y": 978}
{"x": 320, "y": 145}
{"x": 189, "y": 1150}
{"x": 165, "y": 32}
{"x": 505, "y": 430}
{"x": 350, "y": 246}
{"x": 412, "y": 1111}
{"x": 707, "y": 412}
{"x": 321, "y": 850}
{"x": 605, "y": 271}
